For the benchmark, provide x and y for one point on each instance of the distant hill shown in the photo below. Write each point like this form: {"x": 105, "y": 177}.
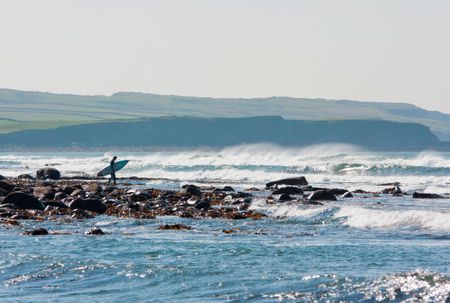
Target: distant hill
{"x": 219, "y": 132}
{"x": 35, "y": 110}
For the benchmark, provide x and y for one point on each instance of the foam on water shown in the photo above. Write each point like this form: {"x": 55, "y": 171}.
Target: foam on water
{"x": 360, "y": 217}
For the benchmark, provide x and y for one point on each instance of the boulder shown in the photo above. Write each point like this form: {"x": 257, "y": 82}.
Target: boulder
{"x": 338, "y": 191}
{"x": 36, "y": 232}
{"x": 23, "y": 201}
{"x": 322, "y": 195}
{"x": 347, "y": 195}
{"x": 46, "y": 192}
{"x": 202, "y": 205}
{"x": 298, "y": 181}
{"x": 94, "y": 188}
{"x": 284, "y": 198}
{"x": 191, "y": 190}
{"x": 224, "y": 189}
{"x": 48, "y": 173}
{"x": 95, "y": 232}
{"x": 93, "y": 205}
{"x": 289, "y": 190}
{"x": 417, "y": 195}
{"x": 6, "y": 186}
{"x": 25, "y": 177}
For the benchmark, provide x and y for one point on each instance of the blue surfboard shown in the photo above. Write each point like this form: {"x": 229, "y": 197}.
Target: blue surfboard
{"x": 117, "y": 166}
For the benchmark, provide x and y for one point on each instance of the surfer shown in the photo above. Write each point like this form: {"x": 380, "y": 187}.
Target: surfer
{"x": 113, "y": 173}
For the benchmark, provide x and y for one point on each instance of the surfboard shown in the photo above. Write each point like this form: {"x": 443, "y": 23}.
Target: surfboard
{"x": 117, "y": 166}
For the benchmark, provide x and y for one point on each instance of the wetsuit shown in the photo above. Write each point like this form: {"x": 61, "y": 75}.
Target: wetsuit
{"x": 113, "y": 173}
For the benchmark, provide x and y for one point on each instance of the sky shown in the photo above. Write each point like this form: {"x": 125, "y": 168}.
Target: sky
{"x": 371, "y": 50}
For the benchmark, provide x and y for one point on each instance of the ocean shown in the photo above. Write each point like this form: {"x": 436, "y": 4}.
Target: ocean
{"x": 371, "y": 248}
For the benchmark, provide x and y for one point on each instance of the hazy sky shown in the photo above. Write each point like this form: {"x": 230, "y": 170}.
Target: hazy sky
{"x": 379, "y": 50}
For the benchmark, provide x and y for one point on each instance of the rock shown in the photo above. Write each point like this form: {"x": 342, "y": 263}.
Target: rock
{"x": 94, "y": 188}
{"x": 55, "y": 204}
{"x": 3, "y": 192}
{"x": 177, "y": 226}
{"x": 59, "y": 196}
{"x": 338, "y": 191}
{"x": 284, "y": 197}
{"x": 8, "y": 205}
{"x": 36, "y": 232}
{"x": 289, "y": 190}
{"x": 46, "y": 192}
{"x": 77, "y": 192}
{"x": 417, "y": 195}
{"x": 25, "y": 177}
{"x": 48, "y": 173}
{"x": 202, "y": 205}
{"x": 224, "y": 189}
{"x": 299, "y": 181}
{"x": 93, "y": 205}
{"x": 347, "y": 195}
{"x": 95, "y": 232}
{"x": 191, "y": 190}
{"x": 322, "y": 195}
{"x": 6, "y": 186}
{"x": 68, "y": 189}
{"x": 2, "y": 177}
{"x": 23, "y": 201}
{"x": 242, "y": 194}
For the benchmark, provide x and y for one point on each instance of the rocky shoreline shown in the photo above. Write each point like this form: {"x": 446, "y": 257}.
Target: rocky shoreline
{"x": 50, "y": 197}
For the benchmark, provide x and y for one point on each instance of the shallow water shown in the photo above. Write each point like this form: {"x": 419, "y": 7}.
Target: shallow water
{"x": 375, "y": 249}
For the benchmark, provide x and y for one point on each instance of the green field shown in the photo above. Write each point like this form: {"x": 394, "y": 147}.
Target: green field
{"x": 35, "y": 110}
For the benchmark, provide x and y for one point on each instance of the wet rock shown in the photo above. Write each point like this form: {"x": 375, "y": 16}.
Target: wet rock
{"x": 68, "y": 189}
{"x": 242, "y": 194}
{"x": 45, "y": 192}
{"x": 59, "y": 195}
{"x": 6, "y": 186}
{"x": 23, "y": 201}
{"x": 8, "y": 205}
{"x": 93, "y": 205}
{"x": 55, "y": 204}
{"x": 338, "y": 191}
{"x": 25, "y": 177}
{"x": 49, "y": 173}
{"x": 36, "y": 232}
{"x": 94, "y": 188}
{"x": 191, "y": 190}
{"x": 3, "y": 192}
{"x": 224, "y": 189}
{"x": 80, "y": 214}
{"x": 2, "y": 177}
{"x": 140, "y": 196}
{"x": 299, "y": 181}
{"x": 77, "y": 192}
{"x": 95, "y": 232}
{"x": 177, "y": 226}
{"x": 347, "y": 195}
{"x": 284, "y": 198}
{"x": 11, "y": 222}
{"x": 322, "y": 195}
{"x": 417, "y": 195}
{"x": 289, "y": 190}
{"x": 202, "y": 205}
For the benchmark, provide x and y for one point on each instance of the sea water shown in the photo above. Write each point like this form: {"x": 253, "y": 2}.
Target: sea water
{"x": 371, "y": 248}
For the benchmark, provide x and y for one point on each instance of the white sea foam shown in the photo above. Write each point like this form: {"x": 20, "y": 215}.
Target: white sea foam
{"x": 360, "y": 217}
{"x": 287, "y": 210}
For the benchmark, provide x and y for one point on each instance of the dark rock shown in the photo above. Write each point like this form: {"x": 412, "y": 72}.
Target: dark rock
{"x": 140, "y": 196}
{"x": 95, "y": 232}
{"x": 3, "y": 192}
{"x": 55, "y": 204}
{"x": 202, "y": 205}
{"x": 59, "y": 196}
{"x": 191, "y": 190}
{"x": 68, "y": 189}
{"x": 48, "y": 173}
{"x": 8, "y": 205}
{"x": 77, "y": 192}
{"x": 25, "y": 177}
{"x": 46, "y": 192}
{"x": 224, "y": 189}
{"x": 2, "y": 177}
{"x": 299, "y": 181}
{"x": 93, "y": 205}
{"x": 417, "y": 195}
{"x": 347, "y": 195}
{"x": 289, "y": 190}
{"x": 177, "y": 226}
{"x": 322, "y": 195}
{"x": 36, "y": 232}
{"x": 94, "y": 188}
{"x": 284, "y": 197}
{"x": 338, "y": 191}
{"x": 23, "y": 201}
{"x": 242, "y": 194}
{"x": 6, "y": 186}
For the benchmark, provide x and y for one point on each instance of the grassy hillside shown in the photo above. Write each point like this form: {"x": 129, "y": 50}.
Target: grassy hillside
{"x": 35, "y": 110}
